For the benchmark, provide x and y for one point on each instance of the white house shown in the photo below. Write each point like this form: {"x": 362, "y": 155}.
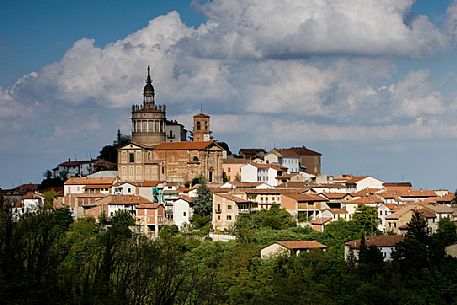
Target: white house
{"x": 266, "y": 173}
{"x": 385, "y": 243}
{"x": 31, "y": 202}
{"x": 287, "y": 158}
{"x": 182, "y": 211}
{"x": 358, "y": 183}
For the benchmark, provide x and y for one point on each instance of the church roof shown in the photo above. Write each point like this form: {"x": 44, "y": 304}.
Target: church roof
{"x": 184, "y": 145}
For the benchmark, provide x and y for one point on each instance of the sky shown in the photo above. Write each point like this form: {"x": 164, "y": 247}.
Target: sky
{"x": 371, "y": 85}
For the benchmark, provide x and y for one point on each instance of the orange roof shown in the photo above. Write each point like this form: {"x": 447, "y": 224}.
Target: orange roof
{"x": 366, "y": 200}
{"x": 408, "y": 193}
{"x": 185, "y": 198}
{"x": 147, "y": 206}
{"x": 293, "y": 184}
{"x": 270, "y": 191}
{"x": 287, "y": 153}
{"x": 89, "y": 180}
{"x": 365, "y": 192}
{"x": 30, "y": 195}
{"x": 377, "y": 241}
{"x": 334, "y": 195}
{"x": 301, "y": 244}
{"x": 97, "y": 186}
{"x": 321, "y": 220}
{"x": 338, "y": 211}
{"x": 397, "y": 184}
{"x": 327, "y": 185}
{"x": 124, "y": 199}
{"x": 184, "y": 145}
{"x": 356, "y": 179}
{"x": 305, "y": 197}
{"x": 234, "y": 198}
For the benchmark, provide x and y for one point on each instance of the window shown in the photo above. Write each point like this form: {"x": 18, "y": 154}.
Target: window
{"x": 228, "y": 170}
{"x": 195, "y": 159}
{"x": 229, "y": 207}
{"x": 218, "y": 217}
{"x": 198, "y": 125}
{"x": 131, "y": 157}
{"x": 129, "y": 190}
{"x": 380, "y": 213}
{"x": 229, "y": 217}
{"x": 163, "y": 170}
{"x": 183, "y": 213}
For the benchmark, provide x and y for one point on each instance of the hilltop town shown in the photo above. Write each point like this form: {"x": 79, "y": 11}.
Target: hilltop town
{"x": 175, "y": 218}
{"x": 159, "y": 171}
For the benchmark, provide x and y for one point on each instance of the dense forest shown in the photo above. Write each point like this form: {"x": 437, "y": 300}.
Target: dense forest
{"x": 47, "y": 258}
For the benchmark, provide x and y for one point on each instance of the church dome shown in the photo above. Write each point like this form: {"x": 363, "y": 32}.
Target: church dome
{"x": 148, "y": 88}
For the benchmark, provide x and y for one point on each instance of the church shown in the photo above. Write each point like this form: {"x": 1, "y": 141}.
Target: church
{"x": 159, "y": 150}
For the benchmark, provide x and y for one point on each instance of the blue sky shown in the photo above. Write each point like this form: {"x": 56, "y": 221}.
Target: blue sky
{"x": 372, "y": 86}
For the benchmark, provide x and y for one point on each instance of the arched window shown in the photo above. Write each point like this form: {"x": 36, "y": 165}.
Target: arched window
{"x": 206, "y": 125}
{"x": 198, "y": 125}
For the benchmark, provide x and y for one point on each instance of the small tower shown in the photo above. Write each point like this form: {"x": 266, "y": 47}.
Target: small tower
{"x": 148, "y": 120}
{"x": 201, "y": 132}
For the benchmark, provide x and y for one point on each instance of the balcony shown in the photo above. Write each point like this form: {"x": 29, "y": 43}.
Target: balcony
{"x": 247, "y": 211}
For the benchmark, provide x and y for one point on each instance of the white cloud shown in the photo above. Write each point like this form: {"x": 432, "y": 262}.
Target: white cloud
{"x": 284, "y": 28}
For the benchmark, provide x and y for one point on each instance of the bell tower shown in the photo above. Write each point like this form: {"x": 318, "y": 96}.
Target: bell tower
{"x": 148, "y": 120}
{"x": 201, "y": 131}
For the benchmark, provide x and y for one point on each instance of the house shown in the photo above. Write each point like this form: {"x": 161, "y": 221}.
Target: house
{"x": 333, "y": 187}
{"x": 182, "y": 211}
{"x": 291, "y": 247}
{"x": 251, "y": 153}
{"x": 246, "y": 185}
{"x": 227, "y": 208}
{"x": 319, "y": 223}
{"x": 232, "y": 168}
{"x": 113, "y": 203}
{"x": 287, "y": 158}
{"x": 385, "y": 244}
{"x": 398, "y": 222}
{"x": 265, "y": 198}
{"x": 149, "y": 217}
{"x": 75, "y": 168}
{"x": 303, "y": 206}
{"x": 372, "y": 201}
{"x": 79, "y": 185}
{"x": 267, "y": 173}
{"x": 358, "y": 183}
{"x": 31, "y": 202}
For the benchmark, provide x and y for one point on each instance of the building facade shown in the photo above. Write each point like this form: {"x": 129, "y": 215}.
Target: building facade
{"x": 154, "y": 155}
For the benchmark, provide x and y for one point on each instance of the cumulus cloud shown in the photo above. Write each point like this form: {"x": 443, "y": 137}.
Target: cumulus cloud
{"x": 284, "y": 28}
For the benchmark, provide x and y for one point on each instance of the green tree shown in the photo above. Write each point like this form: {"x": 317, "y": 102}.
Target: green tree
{"x": 49, "y": 197}
{"x": 109, "y": 152}
{"x": 367, "y": 218}
{"x": 203, "y": 203}
{"x": 418, "y": 228}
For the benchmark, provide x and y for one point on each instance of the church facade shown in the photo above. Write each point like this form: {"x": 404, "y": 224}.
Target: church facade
{"x": 153, "y": 156}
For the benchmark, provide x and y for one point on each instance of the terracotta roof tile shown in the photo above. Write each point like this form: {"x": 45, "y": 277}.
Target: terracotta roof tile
{"x": 124, "y": 199}
{"x": 301, "y": 244}
{"x": 377, "y": 241}
{"x": 184, "y": 145}
{"x": 87, "y": 180}
{"x": 305, "y": 197}
{"x": 321, "y": 220}
{"x": 233, "y": 198}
